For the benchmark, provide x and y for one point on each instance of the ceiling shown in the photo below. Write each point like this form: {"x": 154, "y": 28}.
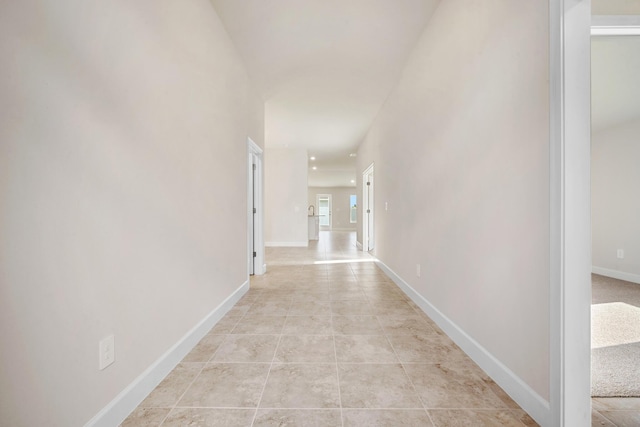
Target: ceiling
{"x": 324, "y": 68}
{"x": 615, "y": 81}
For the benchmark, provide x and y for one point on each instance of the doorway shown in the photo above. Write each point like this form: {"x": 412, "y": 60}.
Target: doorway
{"x": 368, "y": 238}
{"x": 615, "y": 122}
{"x": 255, "y": 214}
{"x": 323, "y": 202}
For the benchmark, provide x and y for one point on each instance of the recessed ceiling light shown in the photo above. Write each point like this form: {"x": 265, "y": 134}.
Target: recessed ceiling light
{"x": 314, "y": 168}
{"x": 353, "y": 181}
{"x": 312, "y": 158}
{"x": 352, "y": 155}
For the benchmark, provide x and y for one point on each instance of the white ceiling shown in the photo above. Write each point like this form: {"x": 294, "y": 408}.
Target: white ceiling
{"x": 615, "y": 80}
{"x": 324, "y": 68}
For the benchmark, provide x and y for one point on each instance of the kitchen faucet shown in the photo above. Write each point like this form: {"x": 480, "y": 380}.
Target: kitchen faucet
{"x": 313, "y": 210}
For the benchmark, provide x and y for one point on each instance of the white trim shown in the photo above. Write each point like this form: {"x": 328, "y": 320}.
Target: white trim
{"x": 343, "y": 229}
{"x": 615, "y": 25}
{"x": 287, "y": 244}
{"x": 556, "y": 310}
{"x": 128, "y": 399}
{"x": 621, "y": 275}
{"x": 569, "y": 212}
{"x": 525, "y": 396}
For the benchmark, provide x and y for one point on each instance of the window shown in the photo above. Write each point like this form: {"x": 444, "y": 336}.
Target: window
{"x": 353, "y": 217}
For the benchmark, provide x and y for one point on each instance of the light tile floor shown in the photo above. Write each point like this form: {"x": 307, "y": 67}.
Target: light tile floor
{"x": 326, "y": 339}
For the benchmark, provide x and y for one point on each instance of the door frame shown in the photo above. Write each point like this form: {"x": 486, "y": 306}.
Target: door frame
{"x": 329, "y": 196}
{"x": 368, "y": 203}
{"x": 255, "y": 198}
{"x": 620, "y": 26}
{"x": 570, "y": 175}
{"x": 569, "y": 213}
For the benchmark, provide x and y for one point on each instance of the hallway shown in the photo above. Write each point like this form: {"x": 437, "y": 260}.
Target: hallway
{"x": 326, "y": 339}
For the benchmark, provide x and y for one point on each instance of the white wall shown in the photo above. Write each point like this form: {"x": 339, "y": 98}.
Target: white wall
{"x": 122, "y": 193}
{"x": 286, "y": 197}
{"x": 461, "y": 152}
{"x": 615, "y": 7}
{"x": 340, "y": 200}
{"x": 615, "y": 176}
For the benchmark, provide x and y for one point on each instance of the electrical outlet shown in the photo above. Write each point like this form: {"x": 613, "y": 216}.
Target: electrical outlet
{"x": 418, "y": 270}
{"x": 386, "y": 206}
{"x": 107, "y": 354}
{"x": 621, "y": 253}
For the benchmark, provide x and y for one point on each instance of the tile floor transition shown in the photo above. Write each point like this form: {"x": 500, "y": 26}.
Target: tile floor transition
{"x": 325, "y": 338}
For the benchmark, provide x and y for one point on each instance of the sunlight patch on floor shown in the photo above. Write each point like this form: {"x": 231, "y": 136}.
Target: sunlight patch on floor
{"x": 345, "y": 261}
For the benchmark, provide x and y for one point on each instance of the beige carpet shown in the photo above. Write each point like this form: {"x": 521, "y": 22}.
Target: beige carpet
{"x": 615, "y": 338}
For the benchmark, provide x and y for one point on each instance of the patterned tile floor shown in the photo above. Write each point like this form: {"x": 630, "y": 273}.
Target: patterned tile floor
{"x": 326, "y": 339}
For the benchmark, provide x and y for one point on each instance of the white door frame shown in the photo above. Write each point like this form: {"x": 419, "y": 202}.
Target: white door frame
{"x": 570, "y": 209}
{"x": 255, "y": 222}
{"x": 328, "y": 196}
{"x": 368, "y": 237}
{"x": 570, "y": 176}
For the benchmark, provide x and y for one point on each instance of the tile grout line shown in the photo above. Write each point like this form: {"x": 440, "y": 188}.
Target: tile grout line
{"x": 605, "y": 417}
{"x": 335, "y": 354}
{"x": 386, "y": 335}
{"x": 264, "y": 386}
{"x": 204, "y": 365}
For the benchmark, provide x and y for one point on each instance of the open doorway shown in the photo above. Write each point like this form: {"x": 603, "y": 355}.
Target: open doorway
{"x": 368, "y": 238}
{"x": 324, "y": 204}
{"x": 353, "y": 209}
{"x": 615, "y": 150}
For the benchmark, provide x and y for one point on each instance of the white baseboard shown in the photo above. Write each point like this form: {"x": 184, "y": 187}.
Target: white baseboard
{"x": 358, "y": 245}
{"x": 119, "y": 408}
{"x": 620, "y": 275}
{"x": 525, "y": 396}
{"x": 287, "y": 244}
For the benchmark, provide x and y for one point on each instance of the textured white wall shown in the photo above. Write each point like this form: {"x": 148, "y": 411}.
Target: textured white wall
{"x": 122, "y": 193}
{"x": 286, "y": 197}
{"x": 461, "y": 152}
{"x": 340, "y": 200}
{"x": 615, "y": 177}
